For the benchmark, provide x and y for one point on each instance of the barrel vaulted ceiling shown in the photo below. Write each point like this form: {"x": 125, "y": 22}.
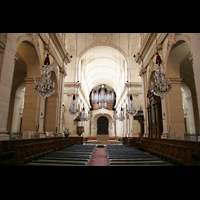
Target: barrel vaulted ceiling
{"x": 102, "y": 58}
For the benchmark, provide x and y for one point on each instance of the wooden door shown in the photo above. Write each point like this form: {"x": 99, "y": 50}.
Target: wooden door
{"x": 102, "y": 125}
{"x": 155, "y": 125}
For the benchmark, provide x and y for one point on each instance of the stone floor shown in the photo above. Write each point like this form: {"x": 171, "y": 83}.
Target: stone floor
{"x": 100, "y": 157}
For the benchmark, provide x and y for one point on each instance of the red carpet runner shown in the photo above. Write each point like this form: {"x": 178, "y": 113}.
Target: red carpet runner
{"x": 100, "y": 157}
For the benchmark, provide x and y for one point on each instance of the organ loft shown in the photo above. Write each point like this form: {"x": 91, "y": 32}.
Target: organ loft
{"x": 102, "y": 98}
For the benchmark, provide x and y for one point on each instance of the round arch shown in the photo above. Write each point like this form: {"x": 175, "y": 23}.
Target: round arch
{"x": 173, "y": 40}
{"x": 102, "y": 113}
{"x": 28, "y": 53}
{"x": 25, "y": 68}
{"x": 107, "y": 61}
{"x": 102, "y": 125}
{"x": 29, "y": 38}
{"x": 96, "y": 46}
{"x": 179, "y": 68}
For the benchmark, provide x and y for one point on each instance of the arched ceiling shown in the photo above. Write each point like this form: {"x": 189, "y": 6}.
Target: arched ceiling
{"x": 102, "y": 65}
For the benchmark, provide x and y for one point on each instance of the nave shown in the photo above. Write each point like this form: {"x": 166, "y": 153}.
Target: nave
{"x": 92, "y": 155}
{"x": 75, "y": 155}
{"x": 121, "y": 155}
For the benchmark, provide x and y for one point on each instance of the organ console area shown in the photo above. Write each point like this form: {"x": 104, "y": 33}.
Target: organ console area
{"x": 102, "y": 98}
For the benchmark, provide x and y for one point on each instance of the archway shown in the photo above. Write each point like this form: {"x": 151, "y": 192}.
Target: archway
{"x": 188, "y": 109}
{"x": 50, "y": 110}
{"x": 179, "y": 70}
{"x": 102, "y": 125}
{"x": 102, "y": 65}
{"x": 15, "y": 112}
{"x": 154, "y": 109}
{"x": 26, "y": 68}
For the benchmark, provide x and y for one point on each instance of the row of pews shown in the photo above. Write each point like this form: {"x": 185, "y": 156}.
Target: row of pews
{"x": 19, "y": 152}
{"x": 123, "y": 155}
{"x": 177, "y": 152}
{"x": 75, "y": 155}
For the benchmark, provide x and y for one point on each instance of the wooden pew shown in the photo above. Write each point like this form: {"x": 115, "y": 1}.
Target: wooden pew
{"x": 28, "y": 152}
{"x": 25, "y": 150}
{"x": 131, "y": 141}
{"x": 178, "y": 155}
{"x": 193, "y": 145}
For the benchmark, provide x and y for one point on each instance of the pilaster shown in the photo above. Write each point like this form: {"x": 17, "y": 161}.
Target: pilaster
{"x": 31, "y": 107}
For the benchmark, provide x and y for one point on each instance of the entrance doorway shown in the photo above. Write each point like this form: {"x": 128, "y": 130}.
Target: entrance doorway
{"x": 102, "y": 125}
{"x": 154, "y": 110}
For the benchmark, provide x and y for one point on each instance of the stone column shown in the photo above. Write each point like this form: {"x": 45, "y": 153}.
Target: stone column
{"x": 6, "y": 75}
{"x": 51, "y": 113}
{"x": 195, "y": 50}
{"x": 143, "y": 75}
{"x": 31, "y": 108}
{"x": 16, "y": 118}
{"x": 175, "y": 110}
{"x": 190, "y": 115}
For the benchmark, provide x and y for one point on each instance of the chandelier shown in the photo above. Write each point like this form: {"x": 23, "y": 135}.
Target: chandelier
{"x": 121, "y": 116}
{"x": 88, "y": 117}
{"x": 73, "y": 108}
{"x": 131, "y": 110}
{"x": 83, "y": 115}
{"x": 115, "y": 118}
{"x": 161, "y": 85}
{"x": 95, "y": 127}
{"x": 44, "y": 86}
{"x": 110, "y": 127}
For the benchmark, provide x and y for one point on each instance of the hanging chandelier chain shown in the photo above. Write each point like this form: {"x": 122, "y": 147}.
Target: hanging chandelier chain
{"x": 44, "y": 86}
{"x": 73, "y": 109}
{"x": 161, "y": 85}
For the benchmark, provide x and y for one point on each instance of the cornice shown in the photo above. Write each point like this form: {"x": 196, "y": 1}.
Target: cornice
{"x": 124, "y": 93}
{"x": 77, "y": 85}
{"x": 148, "y": 49}
{"x": 57, "y": 48}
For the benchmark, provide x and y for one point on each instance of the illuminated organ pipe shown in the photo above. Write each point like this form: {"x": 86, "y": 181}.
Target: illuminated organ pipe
{"x": 102, "y": 98}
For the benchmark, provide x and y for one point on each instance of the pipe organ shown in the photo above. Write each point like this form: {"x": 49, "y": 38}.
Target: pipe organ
{"x": 102, "y": 98}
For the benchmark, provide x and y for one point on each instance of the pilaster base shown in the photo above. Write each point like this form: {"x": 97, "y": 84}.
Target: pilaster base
{"x": 4, "y": 136}
{"x": 165, "y": 135}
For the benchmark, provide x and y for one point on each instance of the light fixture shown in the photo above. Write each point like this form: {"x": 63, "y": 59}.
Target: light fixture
{"x": 73, "y": 109}
{"x": 83, "y": 115}
{"x": 95, "y": 127}
{"x": 121, "y": 116}
{"x": 110, "y": 127}
{"x": 161, "y": 85}
{"x": 115, "y": 117}
{"x": 88, "y": 116}
{"x": 44, "y": 86}
{"x": 131, "y": 109}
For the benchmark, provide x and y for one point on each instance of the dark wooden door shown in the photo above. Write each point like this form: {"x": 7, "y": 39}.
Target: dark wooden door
{"x": 102, "y": 125}
{"x": 154, "y": 109}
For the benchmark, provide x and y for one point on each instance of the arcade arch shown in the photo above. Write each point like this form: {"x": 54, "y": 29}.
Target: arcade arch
{"x": 102, "y": 65}
{"x": 179, "y": 69}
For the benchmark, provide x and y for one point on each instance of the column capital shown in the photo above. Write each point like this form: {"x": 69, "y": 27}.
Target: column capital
{"x": 29, "y": 80}
{"x": 175, "y": 80}
{"x": 142, "y": 71}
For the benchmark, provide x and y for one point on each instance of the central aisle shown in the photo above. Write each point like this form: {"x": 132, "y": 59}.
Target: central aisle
{"x": 100, "y": 157}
